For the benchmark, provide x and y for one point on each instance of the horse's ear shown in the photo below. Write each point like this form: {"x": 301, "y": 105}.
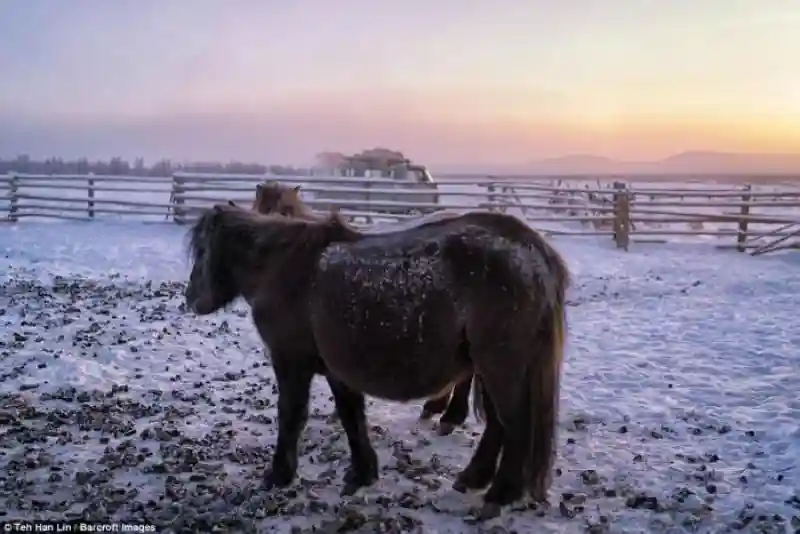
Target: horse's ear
{"x": 231, "y": 204}
{"x": 216, "y": 212}
{"x": 296, "y": 189}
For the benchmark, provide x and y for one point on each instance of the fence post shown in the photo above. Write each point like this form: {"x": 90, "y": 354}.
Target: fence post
{"x": 514, "y": 196}
{"x": 622, "y": 216}
{"x": 490, "y": 197}
{"x": 178, "y": 189}
{"x": 90, "y": 202}
{"x": 368, "y": 196}
{"x": 12, "y": 198}
{"x": 741, "y": 236}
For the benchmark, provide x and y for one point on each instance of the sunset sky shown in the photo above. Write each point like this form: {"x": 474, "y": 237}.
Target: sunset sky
{"x": 446, "y": 81}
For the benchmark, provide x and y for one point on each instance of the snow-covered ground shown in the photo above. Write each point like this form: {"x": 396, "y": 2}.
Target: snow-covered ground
{"x": 680, "y": 409}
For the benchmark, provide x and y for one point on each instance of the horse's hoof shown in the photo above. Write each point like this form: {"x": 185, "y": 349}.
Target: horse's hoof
{"x": 538, "y": 489}
{"x": 445, "y": 429}
{"x": 472, "y": 479}
{"x": 538, "y": 494}
{"x": 350, "y": 488}
{"x": 276, "y": 479}
{"x": 490, "y": 510}
{"x": 355, "y": 479}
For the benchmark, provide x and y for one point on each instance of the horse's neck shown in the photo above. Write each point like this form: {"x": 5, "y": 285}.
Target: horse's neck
{"x": 293, "y": 264}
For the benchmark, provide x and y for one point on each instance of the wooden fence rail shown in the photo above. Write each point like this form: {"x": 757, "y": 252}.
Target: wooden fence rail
{"x": 627, "y": 211}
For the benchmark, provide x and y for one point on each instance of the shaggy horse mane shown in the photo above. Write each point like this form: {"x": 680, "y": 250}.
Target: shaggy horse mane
{"x": 244, "y": 230}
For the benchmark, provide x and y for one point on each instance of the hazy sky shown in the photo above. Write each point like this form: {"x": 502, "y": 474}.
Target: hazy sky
{"x": 445, "y": 81}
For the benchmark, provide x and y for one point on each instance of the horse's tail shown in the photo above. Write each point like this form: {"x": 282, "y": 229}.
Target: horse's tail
{"x": 557, "y": 265}
{"x": 544, "y": 377}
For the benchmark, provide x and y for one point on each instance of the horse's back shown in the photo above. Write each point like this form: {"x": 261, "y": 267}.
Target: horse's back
{"x": 435, "y": 258}
{"x": 396, "y": 265}
{"x": 445, "y": 224}
{"x": 421, "y": 249}
{"x": 408, "y": 224}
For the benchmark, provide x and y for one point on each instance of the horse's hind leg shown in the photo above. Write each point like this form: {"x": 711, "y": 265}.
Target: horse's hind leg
{"x": 458, "y": 406}
{"x": 294, "y": 377}
{"x": 363, "y": 469}
{"x": 434, "y": 406}
{"x": 481, "y": 468}
{"x": 514, "y": 413}
{"x": 458, "y": 409}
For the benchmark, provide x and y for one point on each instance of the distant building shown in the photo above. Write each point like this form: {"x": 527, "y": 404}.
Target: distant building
{"x": 378, "y": 160}
{"x": 330, "y": 160}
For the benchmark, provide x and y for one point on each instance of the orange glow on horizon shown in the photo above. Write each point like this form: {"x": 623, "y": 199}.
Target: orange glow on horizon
{"x": 629, "y": 80}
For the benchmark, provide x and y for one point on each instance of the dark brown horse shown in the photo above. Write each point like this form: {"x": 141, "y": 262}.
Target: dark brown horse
{"x": 430, "y": 304}
{"x": 276, "y": 198}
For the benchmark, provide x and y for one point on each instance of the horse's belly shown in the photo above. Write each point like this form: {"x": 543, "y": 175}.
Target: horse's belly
{"x": 394, "y": 382}
{"x": 396, "y": 361}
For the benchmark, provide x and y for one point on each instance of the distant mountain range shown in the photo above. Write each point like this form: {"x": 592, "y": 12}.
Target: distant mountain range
{"x": 690, "y": 162}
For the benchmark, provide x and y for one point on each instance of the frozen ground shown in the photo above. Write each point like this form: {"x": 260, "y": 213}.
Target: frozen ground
{"x": 680, "y": 406}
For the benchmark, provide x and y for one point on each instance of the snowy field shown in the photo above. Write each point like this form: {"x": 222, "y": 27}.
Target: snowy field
{"x": 680, "y": 410}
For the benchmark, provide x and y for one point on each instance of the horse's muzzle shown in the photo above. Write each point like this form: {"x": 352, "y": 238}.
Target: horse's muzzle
{"x": 192, "y": 300}
{"x": 200, "y": 306}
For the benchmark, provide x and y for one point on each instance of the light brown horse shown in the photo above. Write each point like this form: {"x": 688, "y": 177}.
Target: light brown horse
{"x": 276, "y": 198}
{"x": 401, "y": 315}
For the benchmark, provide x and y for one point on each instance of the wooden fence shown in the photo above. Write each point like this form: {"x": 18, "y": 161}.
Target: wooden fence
{"x": 757, "y": 218}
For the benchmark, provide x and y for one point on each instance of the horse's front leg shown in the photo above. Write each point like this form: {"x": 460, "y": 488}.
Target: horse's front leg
{"x": 363, "y": 470}
{"x": 294, "y": 375}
